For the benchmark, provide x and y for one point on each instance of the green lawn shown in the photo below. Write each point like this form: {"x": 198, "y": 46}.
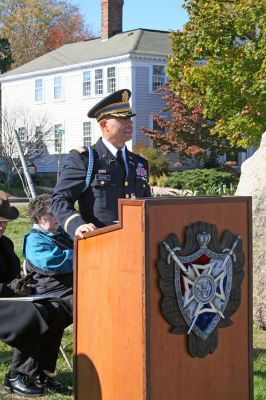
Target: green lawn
{"x": 16, "y": 231}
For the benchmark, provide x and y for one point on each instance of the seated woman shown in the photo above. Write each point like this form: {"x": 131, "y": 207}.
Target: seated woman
{"x": 48, "y": 251}
{"x": 34, "y": 329}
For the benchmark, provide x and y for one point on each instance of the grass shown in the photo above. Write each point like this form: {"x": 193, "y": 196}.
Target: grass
{"x": 62, "y": 374}
{"x": 16, "y": 231}
{"x": 259, "y": 366}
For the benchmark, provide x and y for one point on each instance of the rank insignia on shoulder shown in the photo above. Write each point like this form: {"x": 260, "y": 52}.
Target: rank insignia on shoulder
{"x": 80, "y": 149}
{"x": 141, "y": 171}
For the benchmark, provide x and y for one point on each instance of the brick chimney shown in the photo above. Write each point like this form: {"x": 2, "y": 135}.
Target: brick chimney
{"x": 112, "y": 13}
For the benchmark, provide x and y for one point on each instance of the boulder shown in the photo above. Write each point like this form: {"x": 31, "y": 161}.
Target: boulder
{"x": 253, "y": 183}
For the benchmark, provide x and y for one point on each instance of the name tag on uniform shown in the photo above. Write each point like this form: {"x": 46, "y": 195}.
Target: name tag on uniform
{"x": 100, "y": 177}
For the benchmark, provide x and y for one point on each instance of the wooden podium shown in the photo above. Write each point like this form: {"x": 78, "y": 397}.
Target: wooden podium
{"x": 123, "y": 349}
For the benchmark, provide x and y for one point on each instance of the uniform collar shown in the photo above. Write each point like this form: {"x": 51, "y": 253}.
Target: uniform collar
{"x": 114, "y": 149}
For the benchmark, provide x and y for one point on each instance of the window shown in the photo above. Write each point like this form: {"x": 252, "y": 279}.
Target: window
{"x": 98, "y": 81}
{"x": 158, "y": 77}
{"x": 58, "y": 132}
{"x": 86, "y": 83}
{"x": 87, "y": 133}
{"x": 57, "y": 88}
{"x": 22, "y": 135}
{"x": 111, "y": 80}
{"x": 38, "y": 90}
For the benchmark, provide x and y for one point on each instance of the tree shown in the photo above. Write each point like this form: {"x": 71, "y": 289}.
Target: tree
{"x": 6, "y": 57}
{"x": 30, "y": 26}
{"x": 68, "y": 28}
{"x": 219, "y": 64}
{"x": 186, "y": 132}
{"x": 34, "y": 131}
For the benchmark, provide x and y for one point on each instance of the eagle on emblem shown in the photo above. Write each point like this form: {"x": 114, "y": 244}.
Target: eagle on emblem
{"x": 200, "y": 284}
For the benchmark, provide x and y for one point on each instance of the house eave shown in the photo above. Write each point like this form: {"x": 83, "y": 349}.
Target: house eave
{"x": 84, "y": 65}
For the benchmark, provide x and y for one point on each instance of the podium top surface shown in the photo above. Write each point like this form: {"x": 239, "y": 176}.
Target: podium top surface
{"x": 165, "y": 200}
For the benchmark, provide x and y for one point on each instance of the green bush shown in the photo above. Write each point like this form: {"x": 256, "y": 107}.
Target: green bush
{"x": 158, "y": 163}
{"x": 202, "y": 181}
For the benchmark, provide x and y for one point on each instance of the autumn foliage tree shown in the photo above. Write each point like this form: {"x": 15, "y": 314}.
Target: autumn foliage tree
{"x": 34, "y": 27}
{"x": 68, "y": 28}
{"x": 186, "y": 132}
{"x": 219, "y": 65}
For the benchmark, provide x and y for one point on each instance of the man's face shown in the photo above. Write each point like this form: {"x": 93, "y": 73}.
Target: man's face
{"x": 117, "y": 130}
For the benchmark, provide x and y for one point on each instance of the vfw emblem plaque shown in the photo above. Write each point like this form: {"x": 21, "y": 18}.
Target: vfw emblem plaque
{"x": 200, "y": 284}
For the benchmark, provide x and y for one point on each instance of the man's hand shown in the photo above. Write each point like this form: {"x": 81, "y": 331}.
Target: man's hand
{"x": 84, "y": 228}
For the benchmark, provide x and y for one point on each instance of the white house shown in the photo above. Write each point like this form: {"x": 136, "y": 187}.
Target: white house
{"x": 65, "y": 83}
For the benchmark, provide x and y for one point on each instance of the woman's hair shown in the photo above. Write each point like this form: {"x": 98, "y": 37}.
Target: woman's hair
{"x": 38, "y": 207}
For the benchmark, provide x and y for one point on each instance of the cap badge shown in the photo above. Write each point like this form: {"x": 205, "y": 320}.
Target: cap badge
{"x": 125, "y": 96}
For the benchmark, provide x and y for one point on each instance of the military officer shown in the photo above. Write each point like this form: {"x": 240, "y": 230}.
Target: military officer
{"x": 97, "y": 177}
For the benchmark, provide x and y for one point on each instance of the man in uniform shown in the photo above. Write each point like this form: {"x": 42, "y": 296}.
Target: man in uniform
{"x": 99, "y": 176}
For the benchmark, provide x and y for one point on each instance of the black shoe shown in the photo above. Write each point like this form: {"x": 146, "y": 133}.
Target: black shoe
{"x": 45, "y": 381}
{"x": 22, "y": 386}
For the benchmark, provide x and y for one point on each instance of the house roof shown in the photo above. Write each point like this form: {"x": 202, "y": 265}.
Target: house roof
{"x": 138, "y": 41}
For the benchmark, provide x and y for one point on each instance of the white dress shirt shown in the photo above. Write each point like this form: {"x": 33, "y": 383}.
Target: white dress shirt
{"x": 114, "y": 150}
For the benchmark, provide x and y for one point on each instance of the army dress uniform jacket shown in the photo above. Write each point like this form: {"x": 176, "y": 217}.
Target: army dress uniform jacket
{"x": 98, "y": 204}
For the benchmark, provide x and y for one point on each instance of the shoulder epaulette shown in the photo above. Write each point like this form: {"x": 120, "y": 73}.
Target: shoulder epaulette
{"x": 80, "y": 149}
{"x": 140, "y": 156}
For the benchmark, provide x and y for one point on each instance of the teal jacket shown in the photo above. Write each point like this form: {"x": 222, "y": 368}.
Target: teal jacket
{"x": 41, "y": 248}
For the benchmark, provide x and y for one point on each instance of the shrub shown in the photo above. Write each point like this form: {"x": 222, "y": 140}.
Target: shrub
{"x": 158, "y": 163}
{"x": 202, "y": 181}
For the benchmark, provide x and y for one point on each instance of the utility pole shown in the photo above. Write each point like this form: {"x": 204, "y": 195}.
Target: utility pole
{"x": 24, "y": 166}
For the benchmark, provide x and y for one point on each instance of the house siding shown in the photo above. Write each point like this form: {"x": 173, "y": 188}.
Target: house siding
{"x": 146, "y": 103}
{"x": 70, "y": 111}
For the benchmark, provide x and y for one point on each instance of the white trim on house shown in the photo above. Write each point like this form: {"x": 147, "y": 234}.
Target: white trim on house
{"x": 87, "y": 65}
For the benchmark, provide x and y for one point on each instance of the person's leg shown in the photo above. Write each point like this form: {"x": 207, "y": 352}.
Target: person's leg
{"x": 25, "y": 363}
{"x": 59, "y": 318}
{"x": 18, "y": 380}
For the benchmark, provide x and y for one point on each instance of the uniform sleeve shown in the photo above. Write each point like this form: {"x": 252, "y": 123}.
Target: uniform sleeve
{"x": 67, "y": 191}
{"x": 148, "y": 188}
{"x": 42, "y": 252}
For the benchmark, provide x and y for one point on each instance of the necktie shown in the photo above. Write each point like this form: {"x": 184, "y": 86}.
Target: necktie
{"x": 120, "y": 163}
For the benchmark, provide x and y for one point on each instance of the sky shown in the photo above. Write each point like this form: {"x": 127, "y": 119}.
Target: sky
{"x": 149, "y": 14}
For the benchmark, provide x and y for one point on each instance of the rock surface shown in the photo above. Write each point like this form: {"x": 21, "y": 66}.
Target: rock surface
{"x": 253, "y": 183}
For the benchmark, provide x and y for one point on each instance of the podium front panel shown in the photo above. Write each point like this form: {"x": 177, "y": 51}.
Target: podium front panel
{"x": 173, "y": 373}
